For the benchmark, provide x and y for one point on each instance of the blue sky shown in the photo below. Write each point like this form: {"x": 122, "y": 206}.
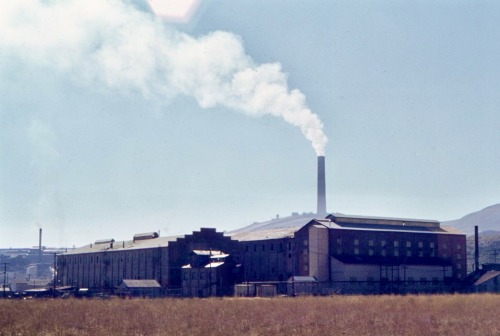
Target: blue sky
{"x": 116, "y": 121}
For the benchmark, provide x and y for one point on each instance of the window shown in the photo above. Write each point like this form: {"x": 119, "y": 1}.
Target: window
{"x": 202, "y": 275}
{"x": 305, "y": 242}
{"x": 383, "y": 243}
{"x": 339, "y": 250}
{"x": 193, "y": 275}
{"x": 396, "y": 252}
{"x": 408, "y": 253}
{"x": 356, "y": 250}
{"x": 431, "y": 244}
{"x": 370, "y": 242}
{"x": 445, "y": 246}
{"x": 339, "y": 241}
{"x": 396, "y": 243}
{"x": 420, "y": 253}
{"x": 420, "y": 244}
{"x": 383, "y": 253}
{"x": 459, "y": 266}
{"x": 272, "y": 247}
{"x": 246, "y": 248}
{"x": 356, "y": 241}
{"x": 459, "y": 247}
{"x": 408, "y": 244}
{"x": 459, "y": 256}
{"x": 255, "y": 248}
{"x": 370, "y": 252}
{"x": 263, "y": 247}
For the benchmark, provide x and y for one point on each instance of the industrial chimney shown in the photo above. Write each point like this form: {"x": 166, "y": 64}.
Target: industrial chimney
{"x": 476, "y": 248}
{"x": 321, "y": 211}
{"x": 40, "y": 245}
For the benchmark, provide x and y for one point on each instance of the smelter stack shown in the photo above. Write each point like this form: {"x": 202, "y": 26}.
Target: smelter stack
{"x": 321, "y": 211}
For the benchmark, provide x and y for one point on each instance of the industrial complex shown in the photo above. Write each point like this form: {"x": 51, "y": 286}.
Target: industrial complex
{"x": 316, "y": 253}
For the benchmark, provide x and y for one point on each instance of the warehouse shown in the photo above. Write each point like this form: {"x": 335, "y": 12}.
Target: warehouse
{"x": 105, "y": 264}
{"x": 337, "y": 254}
{"x": 347, "y": 254}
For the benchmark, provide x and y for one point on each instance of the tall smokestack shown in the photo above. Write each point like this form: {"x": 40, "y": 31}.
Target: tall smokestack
{"x": 321, "y": 211}
{"x": 476, "y": 247}
{"x": 40, "y": 246}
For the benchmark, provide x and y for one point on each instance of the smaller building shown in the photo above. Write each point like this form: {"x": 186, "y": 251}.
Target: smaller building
{"x": 144, "y": 288}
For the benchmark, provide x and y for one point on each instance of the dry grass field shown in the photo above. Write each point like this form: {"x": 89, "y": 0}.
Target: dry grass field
{"x": 336, "y": 315}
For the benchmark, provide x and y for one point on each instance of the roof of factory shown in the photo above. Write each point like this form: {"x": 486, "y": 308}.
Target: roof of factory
{"x": 344, "y": 222}
{"x": 486, "y": 277}
{"x": 124, "y": 245}
{"x": 266, "y": 234}
{"x": 146, "y": 283}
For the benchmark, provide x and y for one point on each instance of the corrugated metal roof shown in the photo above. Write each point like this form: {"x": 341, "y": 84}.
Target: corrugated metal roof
{"x": 208, "y": 253}
{"x": 266, "y": 234}
{"x": 145, "y": 283}
{"x": 393, "y": 228}
{"x": 296, "y": 220}
{"x": 123, "y": 245}
{"x": 487, "y": 277}
{"x": 302, "y": 278}
{"x": 214, "y": 264}
{"x": 341, "y": 218}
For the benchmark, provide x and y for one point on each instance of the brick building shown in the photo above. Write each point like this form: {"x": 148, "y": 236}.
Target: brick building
{"x": 349, "y": 254}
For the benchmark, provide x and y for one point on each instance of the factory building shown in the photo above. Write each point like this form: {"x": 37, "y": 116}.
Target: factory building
{"x": 358, "y": 254}
{"x": 105, "y": 264}
{"x": 346, "y": 254}
{"x": 330, "y": 253}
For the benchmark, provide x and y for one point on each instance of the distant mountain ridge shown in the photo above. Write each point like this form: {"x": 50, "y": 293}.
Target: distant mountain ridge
{"x": 487, "y": 219}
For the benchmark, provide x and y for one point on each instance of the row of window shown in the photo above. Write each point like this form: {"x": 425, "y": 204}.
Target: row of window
{"x": 397, "y": 243}
{"x": 264, "y": 247}
{"x": 95, "y": 259}
{"x": 397, "y": 253}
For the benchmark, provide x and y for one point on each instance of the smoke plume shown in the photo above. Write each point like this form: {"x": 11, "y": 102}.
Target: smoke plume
{"x": 111, "y": 44}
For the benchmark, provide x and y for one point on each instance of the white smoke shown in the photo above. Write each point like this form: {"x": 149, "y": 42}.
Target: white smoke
{"x": 111, "y": 43}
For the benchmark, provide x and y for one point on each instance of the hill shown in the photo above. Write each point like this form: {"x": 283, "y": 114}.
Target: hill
{"x": 488, "y": 219}
{"x": 489, "y": 249}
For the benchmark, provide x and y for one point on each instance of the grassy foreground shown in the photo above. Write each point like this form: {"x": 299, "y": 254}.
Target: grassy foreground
{"x": 336, "y": 315}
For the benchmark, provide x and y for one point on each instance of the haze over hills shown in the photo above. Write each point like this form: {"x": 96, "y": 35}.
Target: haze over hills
{"x": 488, "y": 219}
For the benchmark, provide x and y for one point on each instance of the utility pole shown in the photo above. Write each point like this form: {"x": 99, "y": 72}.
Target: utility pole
{"x": 54, "y": 280}
{"x": 4, "y": 277}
